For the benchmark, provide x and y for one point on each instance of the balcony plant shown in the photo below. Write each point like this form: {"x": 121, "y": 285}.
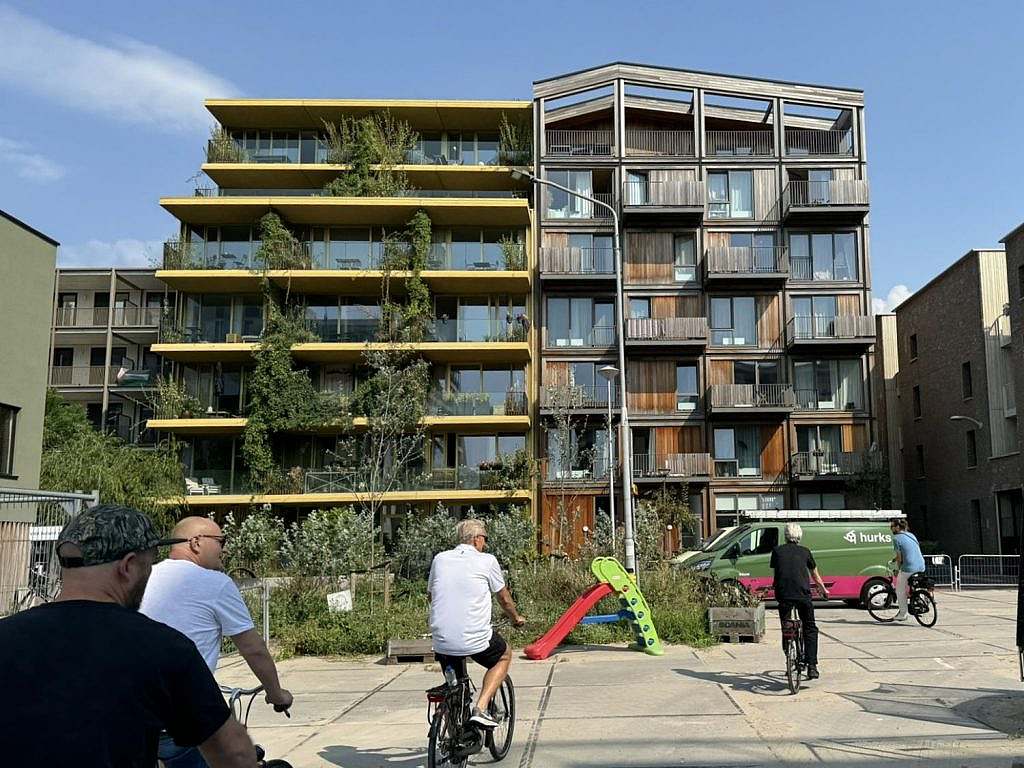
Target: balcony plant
{"x": 221, "y": 148}
{"x": 180, "y": 254}
{"x": 513, "y": 253}
{"x": 279, "y": 248}
{"x": 510, "y": 472}
{"x": 370, "y": 147}
{"x": 515, "y": 140}
{"x": 172, "y": 400}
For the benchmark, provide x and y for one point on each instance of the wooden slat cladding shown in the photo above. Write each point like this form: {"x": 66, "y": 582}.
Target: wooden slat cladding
{"x": 714, "y": 240}
{"x": 769, "y": 327}
{"x": 676, "y": 306}
{"x": 854, "y": 437}
{"x": 848, "y": 304}
{"x": 562, "y": 523}
{"x": 773, "y": 454}
{"x": 766, "y": 196}
{"x": 556, "y": 239}
{"x": 649, "y": 257}
{"x": 844, "y": 174}
{"x": 556, "y": 374}
{"x": 666, "y": 442}
{"x": 720, "y": 371}
{"x": 652, "y": 386}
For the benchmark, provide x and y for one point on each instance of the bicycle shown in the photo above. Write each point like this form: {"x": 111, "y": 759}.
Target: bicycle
{"x": 235, "y": 702}
{"x": 796, "y": 662}
{"x": 452, "y": 738}
{"x": 883, "y": 604}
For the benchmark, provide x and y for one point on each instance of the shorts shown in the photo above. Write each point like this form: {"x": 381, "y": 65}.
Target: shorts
{"x": 488, "y": 657}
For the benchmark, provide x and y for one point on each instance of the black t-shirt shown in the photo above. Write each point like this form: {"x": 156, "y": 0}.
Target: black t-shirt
{"x": 91, "y": 684}
{"x": 792, "y": 565}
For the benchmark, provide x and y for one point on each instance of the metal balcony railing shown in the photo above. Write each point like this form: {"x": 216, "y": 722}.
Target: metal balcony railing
{"x": 667, "y": 193}
{"x": 826, "y": 463}
{"x": 667, "y": 329}
{"x": 598, "y": 336}
{"x": 834, "y": 193}
{"x": 805, "y": 142}
{"x": 482, "y": 332}
{"x": 645, "y": 142}
{"x": 451, "y": 403}
{"x": 576, "y": 261}
{"x": 815, "y": 400}
{"x": 752, "y": 396}
{"x": 672, "y": 465}
{"x": 577, "y": 396}
{"x": 360, "y": 481}
{"x": 582, "y": 473}
{"x": 748, "y": 260}
{"x": 81, "y": 375}
{"x": 819, "y": 327}
{"x": 739, "y": 143}
{"x": 560, "y": 205}
{"x": 344, "y": 331}
{"x": 571, "y": 143}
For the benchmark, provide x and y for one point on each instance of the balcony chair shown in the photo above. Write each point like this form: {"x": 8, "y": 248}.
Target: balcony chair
{"x": 212, "y": 489}
{"x": 193, "y": 487}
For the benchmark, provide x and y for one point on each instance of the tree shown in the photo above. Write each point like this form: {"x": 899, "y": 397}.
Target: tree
{"x": 870, "y": 482}
{"x": 76, "y": 457}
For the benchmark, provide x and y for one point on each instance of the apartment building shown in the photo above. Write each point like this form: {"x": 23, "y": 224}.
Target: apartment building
{"x": 27, "y": 261}
{"x": 1014, "y": 244}
{"x": 953, "y": 426}
{"x": 480, "y": 340}
{"x": 743, "y": 212}
{"x": 105, "y": 322}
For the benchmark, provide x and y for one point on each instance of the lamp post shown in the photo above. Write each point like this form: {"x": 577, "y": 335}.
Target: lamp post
{"x": 627, "y": 447}
{"x": 610, "y": 372}
{"x": 971, "y": 419}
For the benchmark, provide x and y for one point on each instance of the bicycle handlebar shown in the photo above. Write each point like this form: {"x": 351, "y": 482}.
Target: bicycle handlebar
{"x": 234, "y": 694}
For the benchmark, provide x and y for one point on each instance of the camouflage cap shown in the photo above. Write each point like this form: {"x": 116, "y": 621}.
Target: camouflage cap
{"x": 106, "y": 533}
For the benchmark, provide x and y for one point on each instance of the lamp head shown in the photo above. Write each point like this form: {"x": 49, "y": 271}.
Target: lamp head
{"x": 521, "y": 175}
{"x": 608, "y": 372}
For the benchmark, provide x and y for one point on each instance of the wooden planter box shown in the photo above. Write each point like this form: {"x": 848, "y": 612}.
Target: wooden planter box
{"x": 737, "y": 624}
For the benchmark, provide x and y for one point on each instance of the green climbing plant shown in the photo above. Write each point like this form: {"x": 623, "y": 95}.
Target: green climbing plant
{"x": 515, "y": 138}
{"x": 221, "y": 148}
{"x": 279, "y": 248}
{"x": 371, "y": 147}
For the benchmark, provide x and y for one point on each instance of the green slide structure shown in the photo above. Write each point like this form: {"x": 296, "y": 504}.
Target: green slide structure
{"x": 634, "y": 607}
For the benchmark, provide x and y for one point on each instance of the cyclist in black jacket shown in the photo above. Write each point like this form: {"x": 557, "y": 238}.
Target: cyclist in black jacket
{"x": 794, "y": 566}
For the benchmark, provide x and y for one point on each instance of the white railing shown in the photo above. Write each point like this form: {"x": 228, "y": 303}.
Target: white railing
{"x": 666, "y": 328}
{"x": 643, "y": 142}
{"x": 739, "y": 143}
{"x": 988, "y": 570}
{"x": 563, "y": 143}
{"x": 806, "y": 142}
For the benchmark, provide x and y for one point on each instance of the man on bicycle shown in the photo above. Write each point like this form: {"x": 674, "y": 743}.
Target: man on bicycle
{"x": 908, "y": 560}
{"x": 461, "y": 583}
{"x": 794, "y": 566}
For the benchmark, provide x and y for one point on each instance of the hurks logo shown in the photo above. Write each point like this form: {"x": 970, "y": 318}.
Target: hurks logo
{"x": 859, "y": 537}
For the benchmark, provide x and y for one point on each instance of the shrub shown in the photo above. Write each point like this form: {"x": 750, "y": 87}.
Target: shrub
{"x": 419, "y": 539}
{"x": 329, "y": 543}
{"x": 254, "y": 542}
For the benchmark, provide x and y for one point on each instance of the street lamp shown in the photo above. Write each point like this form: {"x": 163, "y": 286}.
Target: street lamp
{"x": 973, "y": 421}
{"x": 627, "y": 444}
{"x": 610, "y": 372}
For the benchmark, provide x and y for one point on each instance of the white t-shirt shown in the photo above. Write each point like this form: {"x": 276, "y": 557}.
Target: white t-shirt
{"x": 460, "y": 586}
{"x": 203, "y": 605}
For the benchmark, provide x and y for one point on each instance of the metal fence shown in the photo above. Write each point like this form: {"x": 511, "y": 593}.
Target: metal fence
{"x": 29, "y": 524}
{"x": 256, "y": 593}
{"x": 939, "y": 568}
{"x": 988, "y": 570}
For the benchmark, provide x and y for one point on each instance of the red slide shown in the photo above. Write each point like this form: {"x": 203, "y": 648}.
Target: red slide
{"x": 543, "y": 646}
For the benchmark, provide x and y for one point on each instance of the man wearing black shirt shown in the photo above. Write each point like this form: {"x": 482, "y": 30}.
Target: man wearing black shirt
{"x": 794, "y": 566}
{"x": 89, "y": 681}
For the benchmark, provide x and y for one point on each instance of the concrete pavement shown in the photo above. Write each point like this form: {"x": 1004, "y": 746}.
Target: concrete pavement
{"x": 889, "y": 694}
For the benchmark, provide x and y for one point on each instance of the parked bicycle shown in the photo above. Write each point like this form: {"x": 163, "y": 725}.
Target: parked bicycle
{"x": 452, "y": 738}
{"x": 883, "y": 605}
{"x": 241, "y": 713}
{"x": 793, "y": 635}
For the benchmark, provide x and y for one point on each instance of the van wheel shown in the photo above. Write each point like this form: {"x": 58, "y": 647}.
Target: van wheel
{"x": 871, "y": 586}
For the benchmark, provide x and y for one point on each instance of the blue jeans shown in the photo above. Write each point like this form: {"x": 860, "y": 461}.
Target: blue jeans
{"x": 174, "y": 756}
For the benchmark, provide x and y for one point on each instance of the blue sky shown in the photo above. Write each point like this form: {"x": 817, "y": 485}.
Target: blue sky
{"x": 101, "y": 101}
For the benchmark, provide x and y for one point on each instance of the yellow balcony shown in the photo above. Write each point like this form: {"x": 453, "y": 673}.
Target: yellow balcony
{"x": 199, "y": 426}
{"x": 299, "y": 176}
{"x": 352, "y": 211}
{"x": 350, "y": 352}
{"x": 446, "y": 496}
{"x": 470, "y": 425}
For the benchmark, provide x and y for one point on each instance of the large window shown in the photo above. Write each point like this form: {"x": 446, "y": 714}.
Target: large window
{"x": 823, "y": 256}
{"x": 580, "y": 322}
{"x": 814, "y": 317}
{"x": 211, "y": 317}
{"x": 596, "y": 253}
{"x": 822, "y": 445}
{"x": 757, "y": 373}
{"x": 731, "y": 195}
{"x": 562, "y": 205}
{"x": 8, "y": 423}
{"x": 820, "y": 501}
{"x": 687, "y": 395}
{"x": 737, "y": 452}
{"x": 577, "y": 454}
{"x": 829, "y": 385}
{"x": 684, "y": 253}
{"x": 729, "y": 506}
{"x": 758, "y": 251}
{"x": 734, "y": 321}
{"x": 495, "y": 318}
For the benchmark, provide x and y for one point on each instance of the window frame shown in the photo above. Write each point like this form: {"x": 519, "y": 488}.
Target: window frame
{"x": 971, "y": 445}
{"x": 8, "y": 439}
{"x": 732, "y": 321}
{"x": 966, "y": 380}
{"x": 913, "y": 347}
{"x": 727, "y": 203}
{"x": 916, "y": 401}
{"x": 809, "y": 234}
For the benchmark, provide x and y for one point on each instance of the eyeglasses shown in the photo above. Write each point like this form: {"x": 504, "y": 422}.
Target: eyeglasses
{"x": 482, "y": 536}
{"x": 220, "y": 539}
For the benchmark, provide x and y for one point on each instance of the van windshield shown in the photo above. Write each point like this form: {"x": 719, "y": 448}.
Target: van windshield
{"x": 723, "y": 538}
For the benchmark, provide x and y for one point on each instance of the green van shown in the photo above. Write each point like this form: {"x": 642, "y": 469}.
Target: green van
{"x": 852, "y": 555}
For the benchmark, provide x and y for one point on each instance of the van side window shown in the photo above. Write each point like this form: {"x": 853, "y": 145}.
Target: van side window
{"x": 760, "y": 541}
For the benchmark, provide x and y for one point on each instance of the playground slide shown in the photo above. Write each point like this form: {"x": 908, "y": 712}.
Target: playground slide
{"x": 542, "y": 647}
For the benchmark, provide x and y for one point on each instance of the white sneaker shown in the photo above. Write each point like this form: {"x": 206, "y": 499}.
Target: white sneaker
{"x": 901, "y": 618}
{"x": 482, "y": 719}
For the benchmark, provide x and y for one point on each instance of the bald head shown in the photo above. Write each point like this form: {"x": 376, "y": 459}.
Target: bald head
{"x": 202, "y": 542}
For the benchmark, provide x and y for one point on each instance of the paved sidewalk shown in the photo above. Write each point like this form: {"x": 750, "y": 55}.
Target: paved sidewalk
{"x": 889, "y": 695}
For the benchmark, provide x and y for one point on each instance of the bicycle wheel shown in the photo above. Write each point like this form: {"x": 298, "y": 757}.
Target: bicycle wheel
{"x": 502, "y": 709}
{"x": 793, "y": 666}
{"x": 882, "y": 604}
{"x": 925, "y": 610}
{"x": 277, "y": 764}
{"x": 439, "y": 753}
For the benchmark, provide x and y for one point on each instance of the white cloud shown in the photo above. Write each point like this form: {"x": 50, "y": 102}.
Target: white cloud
{"x": 111, "y": 253}
{"x": 126, "y": 80}
{"x": 896, "y": 296}
{"x": 28, "y": 164}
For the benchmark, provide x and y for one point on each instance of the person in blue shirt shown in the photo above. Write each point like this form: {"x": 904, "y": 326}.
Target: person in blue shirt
{"x": 909, "y": 561}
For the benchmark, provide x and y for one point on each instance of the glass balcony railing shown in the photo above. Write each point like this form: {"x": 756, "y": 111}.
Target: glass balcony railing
{"x": 436, "y": 479}
{"x": 504, "y": 403}
{"x": 313, "y": 149}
